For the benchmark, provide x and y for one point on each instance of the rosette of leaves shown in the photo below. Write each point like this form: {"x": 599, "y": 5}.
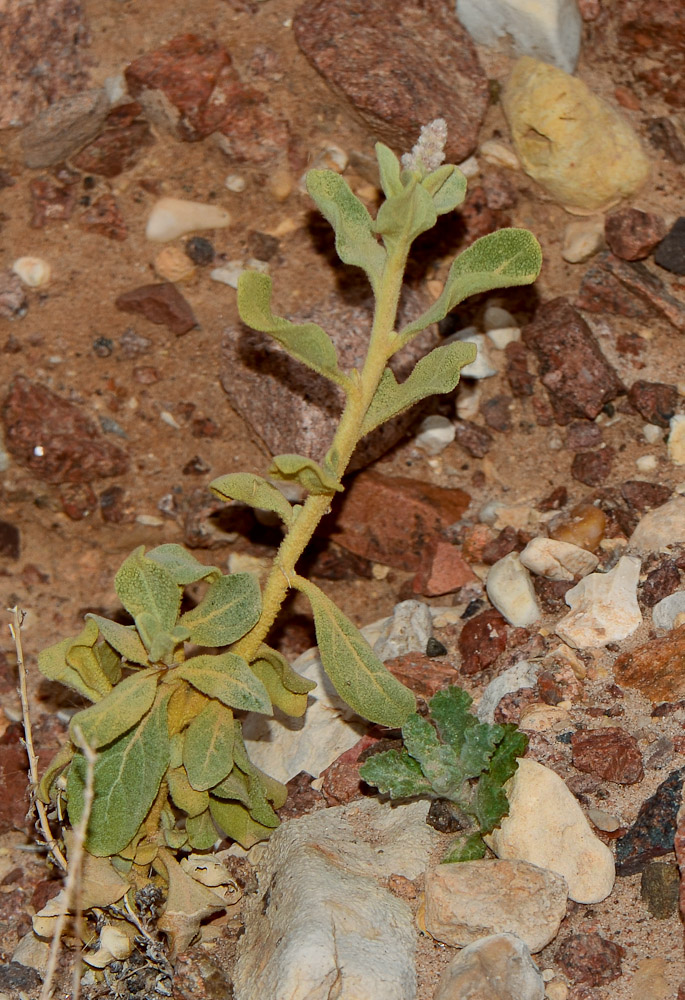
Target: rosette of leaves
{"x": 171, "y": 766}
{"x": 453, "y": 756}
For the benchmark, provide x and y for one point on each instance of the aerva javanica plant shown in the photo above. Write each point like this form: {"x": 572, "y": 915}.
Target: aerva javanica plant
{"x": 171, "y": 766}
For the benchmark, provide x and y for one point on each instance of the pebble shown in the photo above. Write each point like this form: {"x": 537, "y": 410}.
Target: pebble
{"x": 604, "y": 821}
{"x": 628, "y": 288}
{"x": 557, "y": 560}
{"x": 444, "y": 571}
{"x": 229, "y": 273}
{"x": 663, "y": 135}
{"x": 593, "y": 468}
{"x": 473, "y": 438}
{"x": 590, "y": 959}
{"x": 522, "y": 675}
{"x": 573, "y": 143}
{"x": 407, "y": 631}
{"x": 174, "y": 217}
{"x": 502, "y": 336}
{"x": 653, "y": 832}
{"x": 172, "y": 264}
{"x": 482, "y": 639}
{"x": 582, "y": 240}
{"x": 34, "y": 272}
{"x": 656, "y": 402}
{"x": 661, "y": 581}
{"x": 435, "y": 434}
{"x": 235, "y": 183}
{"x": 105, "y": 218}
{"x": 510, "y": 589}
{"x": 10, "y": 540}
{"x": 665, "y": 612}
{"x": 584, "y": 525}
{"x": 550, "y": 32}
{"x": 547, "y": 828}
{"x": 63, "y": 128}
{"x": 468, "y": 400}
{"x": 496, "y": 317}
{"x": 280, "y": 184}
{"x": 13, "y": 301}
{"x": 465, "y": 902}
{"x": 652, "y": 433}
{"x": 501, "y": 959}
{"x": 162, "y": 304}
{"x": 659, "y": 888}
{"x": 499, "y": 155}
{"x": 603, "y": 606}
{"x": 632, "y": 235}
{"x": 609, "y": 753}
{"x": 676, "y": 440}
{"x": 660, "y": 528}
{"x": 655, "y": 668}
{"x": 646, "y": 463}
{"x": 200, "y": 251}
{"x": 670, "y": 254}
{"x": 480, "y": 368}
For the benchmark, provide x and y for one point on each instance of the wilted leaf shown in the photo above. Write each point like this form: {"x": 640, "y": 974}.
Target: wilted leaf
{"x": 82, "y": 658}
{"x": 183, "y": 567}
{"x": 228, "y": 610}
{"x": 185, "y": 703}
{"x": 201, "y": 831}
{"x": 467, "y": 847}
{"x": 357, "y": 673}
{"x": 109, "y": 660}
{"x": 188, "y": 904}
{"x": 228, "y": 678}
{"x": 184, "y": 796}
{"x": 236, "y": 823}
{"x": 255, "y": 491}
{"x": 122, "y": 708}
{"x": 395, "y": 773}
{"x": 123, "y": 638}
{"x": 208, "y": 746}
{"x": 306, "y": 472}
{"x": 145, "y": 587}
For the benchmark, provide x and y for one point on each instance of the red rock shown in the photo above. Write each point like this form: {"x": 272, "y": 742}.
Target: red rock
{"x": 552, "y": 593}
{"x": 554, "y": 500}
{"x": 627, "y": 288}
{"x": 655, "y": 668}
{"x": 660, "y": 582}
{"x": 14, "y": 801}
{"x": 578, "y": 378}
{"x": 204, "y": 427}
{"x": 393, "y": 519}
{"x": 51, "y": 202}
{"x": 593, "y": 467}
{"x": 421, "y": 673}
{"x": 431, "y": 68}
{"x": 582, "y": 435}
{"x": 78, "y": 501}
{"x": 652, "y": 43}
{"x": 627, "y": 99}
{"x": 250, "y": 133}
{"x": 511, "y": 706}
{"x": 497, "y": 413}
{"x": 302, "y": 798}
{"x": 655, "y": 401}
{"x": 643, "y": 496}
{"x": 444, "y": 571}
{"x": 474, "y": 540}
{"x": 10, "y": 540}
{"x": 611, "y": 754}
{"x": 482, "y": 640}
{"x": 663, "y": 135}
{"x": 54, "y": 438}
{"x": 632, "y": 235}
{"x": 590, "y": 959}
{"x": 341, "y": 782}
{"x": 477, "y": 441}
{"x": 116, "y": 149}
{"x": 105, "y": 218}
{"x": 522, "y": 382}
{"x": 162, "y": 304}
{"x": 114, "y": 506}
{"x": 507, "y": 541}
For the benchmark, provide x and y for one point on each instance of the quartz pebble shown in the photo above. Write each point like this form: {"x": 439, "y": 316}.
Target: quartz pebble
{"x": 546, "y": 827}
{"x": 582, "y": 240}
{"x": 406, "y": 631}
{"x": 499, "y": 155}
{"x": 510, "y": 589}
{"x": 174, "y": 217}
{"x": 549, "y": 31}
{"x": 500, "y": 959}
{"x": 603, "y": 606}
{"x": 676, "y": 440}
{"x": 435, "y": 434}
{"x": 32, "y": 271}
{"x": 664, "y": 613}
{"x": 557, "y": 560}
{"x": 584, "y": 526}
{"x": 504, "y": 335}
{"x": 480, "y": 368}
{"x": 659, "y": 528}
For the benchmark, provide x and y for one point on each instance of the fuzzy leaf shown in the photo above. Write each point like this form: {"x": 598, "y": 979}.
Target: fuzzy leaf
{"x": 126, "y": 704}
{"x": 305, "y": 471}
{"x": 354, "y": 240}
{"x": 208, "y": 746}
{"x": 504, "y": 763}
{"x": 358, "y": 675}
{"x": 109, "y": 660}
{"x": 181, "y": 565}
{"x": 290, "y": 678}
{"x": 438, "y": 760}
{"x": 228, "y": 610}
{"x": 123, "y": 638}
{"x": 307, "y": 342}
{"x": 234, "y": 787}
{"x": 201, "y": 831}
{"x": 449, "y": 709}
{"x": 52, "y": 663}
{"x": 236, "y": 822}
{"x": 395, "y": 773}
{"x": 478, "y": 747}
{"x": 185, "y": 703}
{"x": 145, "y": 587}
{"x": 53, "y": 770}
{"x": 438, "y": 372}
{"x": 447, "y": 187}
{"x": 128, "y": 773}
{"x": 467, "y": 847}
{"x": 260, "y": 787}
{"x": 389, "y": 169}
{"x": 164, "y": 644}
{"x": 499, "y": 260}
{"x": 405, "y": 216}
{"x": 255, "y": 491}
{"x": 82, "y": 658}
{"x": 287, "y": 701}
{"x": 227, "y": 677}
{"x": 490, "y": 803}
{"x": 184, "y": 796}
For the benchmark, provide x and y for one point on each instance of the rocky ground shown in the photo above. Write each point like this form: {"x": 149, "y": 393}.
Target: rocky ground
{"x": 127, "y": 385}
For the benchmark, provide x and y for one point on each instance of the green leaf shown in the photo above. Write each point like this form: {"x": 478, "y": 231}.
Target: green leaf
{"x": 261, "y": 787}
{"x": 389, "y": 169}
{"x": 123, "y": 638}
{"x": 201, "y": 831}
{"x": 354, "y": 240}
{"x": 208, "y": 747}
{"x": 449, "y": 710}
{"x": 504, "y": 763}
{"x": 395, "y": 773}
{"x": 126, "y": 704}
{"x": 234, "y": 787}
{"x": 291, "y": 680}
{"x": 306, "y": 472}
{"x": 127, "y": 777}
{"x": 53, "y": 770}
{"x": 184, "y": 796}
{"x": 506, "y": 257}
{"x": 228, "y": 610}
{"x": 467, "y": 847}
{"x": 145, "y": 587}
{"x": 287, "y": 689}
{"x": 255, "y": 491}
{"x": 490, "y": 803}
{"x": 83, "y": 659}
{"x": 236, "y": 822}
{"x": 228, "y": 678}
{"x": 357, "y": 673}
{"x": 307, "y": 342}
{"x": 109, "y": 660}
{"x": 181, "y": 565}
{"x": 438, "y": 372}
{"x": 479, "y": 745}
{"x": 438, "y": 760}
{"x": 163, "y": 644}
{"x": 447, "y": 187}
{"x": 52, "y": 663}
{"x": 405, "y": 216}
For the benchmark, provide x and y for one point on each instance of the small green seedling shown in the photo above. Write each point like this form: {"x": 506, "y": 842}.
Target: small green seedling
{"x": 453, "y": 756}
{"x": 168, "y": 689}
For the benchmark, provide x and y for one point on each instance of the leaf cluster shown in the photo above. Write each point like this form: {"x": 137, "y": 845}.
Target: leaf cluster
{"x": 453, "y": 756}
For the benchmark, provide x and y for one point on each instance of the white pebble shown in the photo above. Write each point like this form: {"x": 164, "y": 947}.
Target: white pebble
{"x": 510, "y": 590}
{"x": 115, "y": 88}
{"x": 174, "y": 217}
{"x": 229, "y": 273}
{"x": 236, "y": 183}
{"x": 435, "y": 434}
{"x": 583, "y": 239}
{"x": 651, "y": 433}
{"x": 169, "y": 419}
{"x": 676, "y": 440}
{"x": 667, "y": 610}
{"x": 150, "y": 521}
{"x": 504, "y": 335}
{"x": 603, "y": 606}
{"x": 646, "y": 463}
{"x": 480, "y": 368}
{"x": 496, "y": 316}
{"x": 495, "y": 152}
{"x": 557, "y": 560}
{"x": 468, "y": 400}
{"x": 32, "y": 271}
{"x": 470, "y": 167}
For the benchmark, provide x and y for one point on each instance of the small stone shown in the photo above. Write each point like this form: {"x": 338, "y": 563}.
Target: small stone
{"x": 78, "y": 501}
{"x": 590, "y": 959}
{"x": 262, "y": 245}
{"x": 500, "y": 193}
{"x": 521, "y": 677}
{"x": 550, "y": 32}
{"x": 115, "y": 507}
{"x": 653, "y": 832}
{"x": 659, "y": 888}
{"x": 34, "y": 272}
{"x": 104, "y": 217}
{"x": 522, "y": 382}
{"x": 676, "y": 440}
{"x": 497, "y": 413}
{"x": 499, "y": 155}
{"x": 501, "y": 959}
{"x": 444, "y": 571}
{"x": 603, "y": 606}
{"x": 611, "y": 754}
{"x": 583, "y": 435}
{"x": 585, "y": 526}
{"x": 582, "y": 240}
{"x": 663, "y": 580}
{"x": 632, "y": 235}
{"x": 507, "y": 541}
{"x": 200, "y": 251}
{"x": 406, "y": 631}
{"x": 482, "y": 367}
{"x": 665, "y": 611}
{"x": 229, "y": 273}
{"x": 510, "y": 589}
{"x": 174, "y": 217}
{"x": 235, "y": 183}
{"x": 435, "y": 434}
{"x": 421, "y": 673}
{"x": 659, "y": 529}
{"x": 663, "y": 135}
{"x": 468, "y": 901}
{"x": 10, "y": 540}
{"x": 628, "y": 288}
{"x": 603, "y": 821}
{"x": 503, "y": 336}
{"x": 655, "y": 668}
{"x": 643, "y": 496}
{"x": 13, "y": 301}
{"x": 119, "y": 145}
{"x": 474, "y": 439}
{"x": 482, "y": 639}
{"x": 496, "y": 317}
{"x": 655, "y": 401}
{"x": 558, "y": 560}
{"x": 670, "y": 254}
{"x": 63, "y": 128}
{"x": 173, "y": 265}
{"x": 302, "y": 798}
{"x": 161, "y": 304}
{"x": 593, "y": 467}
{"x": 133, "y": 345}
{"x": 435, "y": 648}
{"x": 51, "y": 202}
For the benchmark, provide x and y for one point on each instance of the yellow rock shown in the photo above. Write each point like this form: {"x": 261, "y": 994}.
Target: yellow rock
{"x": 570, "y": 141}
{"x": 173, "y": 265}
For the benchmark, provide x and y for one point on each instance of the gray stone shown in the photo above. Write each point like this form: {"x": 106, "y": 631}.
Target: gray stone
{"x": 522, "y": 675}
{"x": 407, "y": 631}
{"x": 664, "y": 613}
{"x": 659, "y": 528}
{"x": 64, "y": 128}
{"x": 549, "y": 31}
{"x": 498, "y": 967}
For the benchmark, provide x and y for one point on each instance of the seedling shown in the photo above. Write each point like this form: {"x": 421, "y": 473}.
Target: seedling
{"x": 172, "y": 771}
{"x": 453, "y": 756}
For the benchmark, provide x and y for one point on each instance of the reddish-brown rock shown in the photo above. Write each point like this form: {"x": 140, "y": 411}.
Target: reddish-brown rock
{"x": 651, "y": 43}
{"x": 54, "y": 438}
{"x": 663, "y": 135}
{"x": 105, "y": 218}
{"x": 393, "y": 519}
{"x": 476, "y": 440}
{"x": 302, "y": 798}
{"x": 593, "y": 467}
{"x": 611, "y": 754}
{"x": 115, "y": 508}
{"x": 643, "y": 496}
{"x": 477, "y": 216}
{"x": 14, "y": 801}
{"x": 162, "y": 304}
{"x": 583, "y": 435}
{"x": 590, "y": 959}
{"x": 341, "y": 782}
{"x": 657, "y": 668}
{"x": 522, "y": 382}
{"x": 51, "y": 202}
{"x": 443, "y": 572}
{"x": 632, "y": 235}
{"x": 506, "y": 541}
{"x": 663, "y": 580}
{"x": 578, "y": 378}
{"x": 423, "y": 674}
{"x": 628, "y": 288}
{"x": 482, "y": 640}
{"x": 119, "y": 145}
{"x": 78, "y": 500}
{"x": 399, "y": 65}
{"x": 655, "y": 401}
{"x": 497, "y": 413}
